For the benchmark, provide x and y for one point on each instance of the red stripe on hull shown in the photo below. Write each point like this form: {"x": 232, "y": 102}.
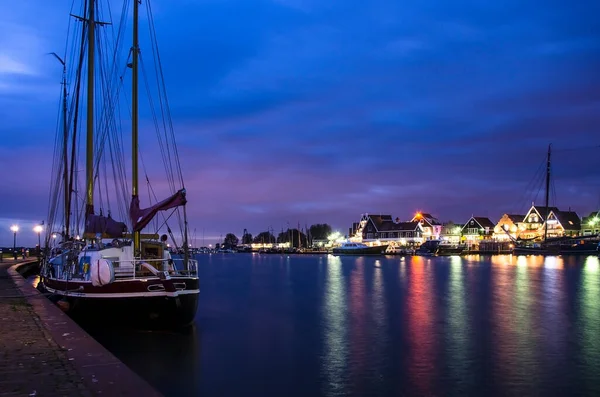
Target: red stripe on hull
{"x": 120, "y": 286}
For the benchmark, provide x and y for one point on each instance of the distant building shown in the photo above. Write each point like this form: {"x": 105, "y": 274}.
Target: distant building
{"x": 451, "y": 232}
{"x": 507, "y": 227}
{"x": 476, "y": 229}
{"x": 531, "y": 227}
{"x": 561, "y": 224}
{"x": 590, "y": 225}
{"x": 383, "y": 229}
{"x": 432, "y": 228}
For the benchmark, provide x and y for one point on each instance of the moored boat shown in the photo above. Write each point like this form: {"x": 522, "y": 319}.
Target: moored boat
{"x": 350, "y": 248}
{"x": 114, "y": 272}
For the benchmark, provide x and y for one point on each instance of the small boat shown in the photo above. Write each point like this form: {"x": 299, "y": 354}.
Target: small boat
{"x": 446, "y": 248}
{"x": 349, "y": 248}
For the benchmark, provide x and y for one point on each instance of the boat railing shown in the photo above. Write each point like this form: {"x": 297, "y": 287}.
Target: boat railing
{"x": 70, "y": 269}
{"x": 136, "y": 268}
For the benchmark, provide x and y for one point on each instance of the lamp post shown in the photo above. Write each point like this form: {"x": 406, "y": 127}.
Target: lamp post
{"x": 15, "y": 229}
{"x": 38, "y": 229}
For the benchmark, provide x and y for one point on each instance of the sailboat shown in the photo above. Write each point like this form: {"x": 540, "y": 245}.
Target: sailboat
{"x": 567, "y": 245}
{"x": 110, "y": 270}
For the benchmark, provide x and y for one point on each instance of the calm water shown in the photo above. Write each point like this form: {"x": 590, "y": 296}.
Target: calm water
{"x": 271, "y": 325}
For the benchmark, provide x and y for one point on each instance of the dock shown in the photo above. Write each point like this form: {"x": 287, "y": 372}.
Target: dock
{"x": 45, "y": 353}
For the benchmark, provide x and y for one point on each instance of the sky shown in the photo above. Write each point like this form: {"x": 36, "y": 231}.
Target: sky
{"x": 311, "y": 111}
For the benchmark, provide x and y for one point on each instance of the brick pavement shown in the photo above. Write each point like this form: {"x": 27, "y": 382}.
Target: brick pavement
{"x": 31, "y": 362}
{"x": 44, "y": 353}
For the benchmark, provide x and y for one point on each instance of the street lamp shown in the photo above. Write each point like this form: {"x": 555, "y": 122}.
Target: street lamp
{"x": 15, "y": 229}
{"x": 38, "y": 229}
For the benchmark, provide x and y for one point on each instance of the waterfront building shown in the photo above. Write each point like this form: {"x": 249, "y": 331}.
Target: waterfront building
{"x": 561, "y": 224}
{"x": 432, "y": 227}
{"x": 507, "y": 228}
{"x": 476, "y": 229}
{"x": 383, "y": 229}
{"x": 451, "y": 232}
{"x": 531, "y": 227}
{"x": 590, "y": 225}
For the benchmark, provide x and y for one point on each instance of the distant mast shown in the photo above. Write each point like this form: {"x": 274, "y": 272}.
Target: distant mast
{"x": 547, "y": 191}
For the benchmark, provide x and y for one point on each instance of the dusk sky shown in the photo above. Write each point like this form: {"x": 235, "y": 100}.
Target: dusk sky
{"x": 307, "y": 111}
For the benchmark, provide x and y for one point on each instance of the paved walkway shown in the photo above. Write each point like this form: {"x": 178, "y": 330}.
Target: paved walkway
{"x": 44, "y": 353}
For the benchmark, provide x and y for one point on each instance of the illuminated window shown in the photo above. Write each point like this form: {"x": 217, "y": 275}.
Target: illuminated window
{"x": 533, "y": 218}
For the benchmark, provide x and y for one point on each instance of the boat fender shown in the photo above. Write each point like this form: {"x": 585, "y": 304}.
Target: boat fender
{"x": 102, "y": 272}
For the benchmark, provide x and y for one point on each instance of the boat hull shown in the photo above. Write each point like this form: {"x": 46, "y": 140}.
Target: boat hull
{"x": 379, "y": 250}
{"x": 147, "y": 303}
{"x": 579, "y": 248}
{"x": 446, "y": 251}
{"x": 531, "y": 251}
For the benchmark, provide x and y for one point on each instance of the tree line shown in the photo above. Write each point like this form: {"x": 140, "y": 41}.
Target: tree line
{"x": 296, "y": 237}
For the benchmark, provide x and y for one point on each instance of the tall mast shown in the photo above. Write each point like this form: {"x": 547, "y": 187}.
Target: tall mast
{"x": 134, "y": 117}
{"x": 547, "y": 191}
{"x": 65, "y": 155}
{"x": 67, "y": 197}
{"x": 89, "y": 208}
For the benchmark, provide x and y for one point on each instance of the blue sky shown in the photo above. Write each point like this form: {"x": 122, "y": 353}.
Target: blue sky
{"x": 318, "y": 111}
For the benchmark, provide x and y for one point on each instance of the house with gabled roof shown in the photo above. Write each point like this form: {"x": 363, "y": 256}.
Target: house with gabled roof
{"x": 382, "y": 229}
{"x": 507, "y": 228}
{"x": 451, "y": 232}
{"x": 531, "y": 227}
{"x": 477, "y": 228}
{"x": 562, "y": 224}
{"x": 432, "y": 227}
{"x": 590, "y": 225}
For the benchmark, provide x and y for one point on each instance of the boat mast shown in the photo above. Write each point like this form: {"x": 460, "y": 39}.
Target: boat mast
{"x": 89, "y": 208}
{"x": 134, "y": 117}
{"x": 67, "y": 197}
{"x": 547, "y": 191}
{"x": 65, "y": 155}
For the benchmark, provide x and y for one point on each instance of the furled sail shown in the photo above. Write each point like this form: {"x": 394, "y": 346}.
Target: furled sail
{"x": 105, "y": 225}
{"x": 141, "y": 217}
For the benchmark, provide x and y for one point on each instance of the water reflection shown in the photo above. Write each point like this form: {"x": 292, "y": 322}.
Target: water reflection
{"x": 553, "y": 309}
{"x": 334, "y": 312}
{"x": 379, "y": 332}
{"x": 502, "y": 292}
{"x": 525, "y": 335}
{"x": 169, "y": 361}
{"x": 358, "y": 326}
{"x": 329, "y": 326}
{"x": 589, "y": 324}
{"x": 458, "y": 330}
{"x": 421, "y": 319}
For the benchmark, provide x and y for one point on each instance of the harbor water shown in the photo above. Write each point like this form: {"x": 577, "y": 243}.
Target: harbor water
{"x": 303, "y": 325}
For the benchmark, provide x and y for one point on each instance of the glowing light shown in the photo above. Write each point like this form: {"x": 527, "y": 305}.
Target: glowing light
{"x": 334, "y": 236}
{"x": 38, "y": 229}
{"x": 14, "y": 228}
{"x": 592, "y": 264}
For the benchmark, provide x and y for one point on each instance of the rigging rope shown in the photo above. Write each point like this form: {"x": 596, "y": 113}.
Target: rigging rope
{"x": 109, "y": 144}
